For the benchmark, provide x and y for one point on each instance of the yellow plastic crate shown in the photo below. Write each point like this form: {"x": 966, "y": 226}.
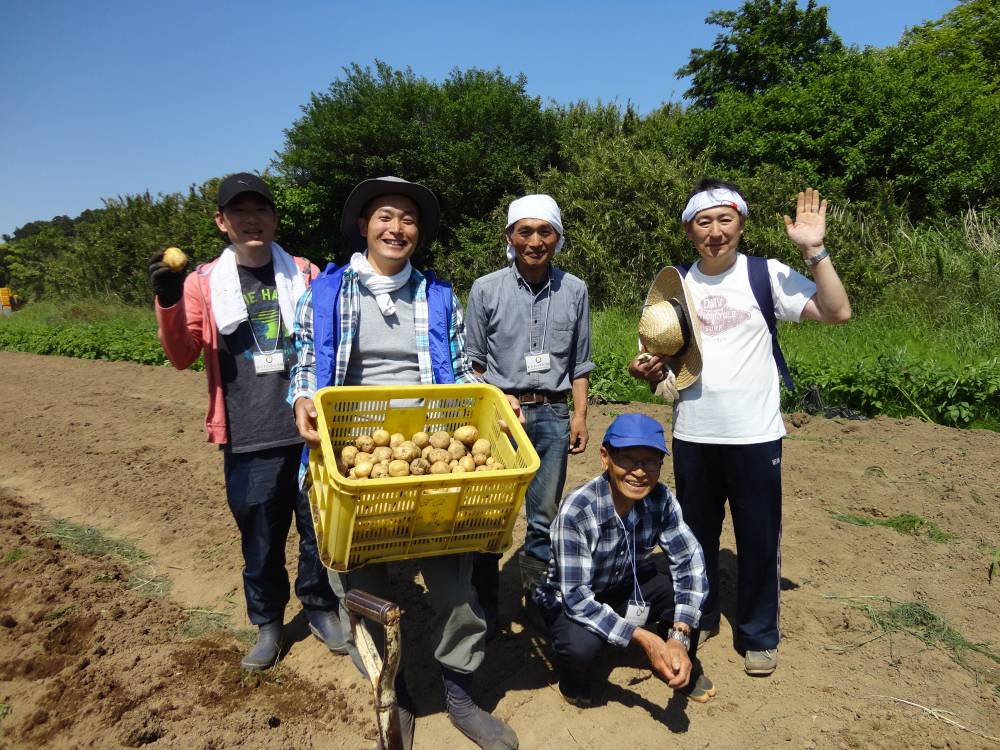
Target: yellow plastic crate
{"x": 360, "y": 521}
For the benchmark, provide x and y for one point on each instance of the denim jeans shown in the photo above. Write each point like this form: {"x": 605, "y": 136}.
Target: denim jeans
{"x": 547, "y": 426}
{"x": 262, "y": 489}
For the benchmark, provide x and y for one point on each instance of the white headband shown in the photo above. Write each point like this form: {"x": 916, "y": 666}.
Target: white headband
{"x": 537, "y": 206}
{"x": 711, "y": 199}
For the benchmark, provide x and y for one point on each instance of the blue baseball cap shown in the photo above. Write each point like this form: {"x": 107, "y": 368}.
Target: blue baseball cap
{"x": 631, "y": 430}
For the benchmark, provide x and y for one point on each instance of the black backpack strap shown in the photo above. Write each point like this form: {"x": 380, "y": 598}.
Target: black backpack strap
{"x": 683, "y": 268}
{"x": 760, "y": 284}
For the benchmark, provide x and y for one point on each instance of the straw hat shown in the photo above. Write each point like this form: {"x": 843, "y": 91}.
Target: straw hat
{"x": 670, "y": 327}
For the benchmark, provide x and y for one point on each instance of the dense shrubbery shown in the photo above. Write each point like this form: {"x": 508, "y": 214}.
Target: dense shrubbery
{"x": 903, "y": 139}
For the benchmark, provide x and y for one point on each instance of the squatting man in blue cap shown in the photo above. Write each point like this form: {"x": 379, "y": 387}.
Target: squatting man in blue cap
{"x": 727, "y": 426}
{"x": 380, "y": 321}
{"x": 602, "y": 587}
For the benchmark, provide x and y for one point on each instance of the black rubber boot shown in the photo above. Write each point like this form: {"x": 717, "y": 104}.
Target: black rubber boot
{"x": 265, "y": 653}
{"x": 484, "y": 729}
{"x": 533, "y": 572}
{"x": 325, "y": 625}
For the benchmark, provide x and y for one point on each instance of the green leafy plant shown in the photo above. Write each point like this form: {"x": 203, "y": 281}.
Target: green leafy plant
{"x": 13, "y": 556}
{"x": 904, "y": 523}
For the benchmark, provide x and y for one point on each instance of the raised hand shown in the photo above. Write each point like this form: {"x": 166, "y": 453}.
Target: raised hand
{"x": 809, "y": 227}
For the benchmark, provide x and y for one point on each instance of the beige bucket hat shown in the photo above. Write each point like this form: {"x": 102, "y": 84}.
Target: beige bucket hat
{"x": 670, "y": 327}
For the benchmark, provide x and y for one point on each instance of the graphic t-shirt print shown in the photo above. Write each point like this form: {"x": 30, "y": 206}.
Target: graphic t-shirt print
{"x": 262, "y": 310}
{"x": 717, "y": 316}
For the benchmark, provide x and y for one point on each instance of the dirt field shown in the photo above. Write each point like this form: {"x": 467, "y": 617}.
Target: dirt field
{"x": 99, "y": 652}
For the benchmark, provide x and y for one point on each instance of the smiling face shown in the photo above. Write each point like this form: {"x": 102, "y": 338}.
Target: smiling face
{"x": 534, "y": 242}
{"x": 632, "y": 473}
{"x": 391, "y": 228}
{"x": 250, "y": 221}
{"x": 715, "y": 234}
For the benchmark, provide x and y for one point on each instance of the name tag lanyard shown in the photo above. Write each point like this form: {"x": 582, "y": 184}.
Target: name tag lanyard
{"x": 538, "y": 361}
{"x": 265, "y": 363}
{"x": 638, "y": 610}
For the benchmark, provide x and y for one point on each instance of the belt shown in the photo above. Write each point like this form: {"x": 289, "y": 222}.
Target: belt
{"x": 541, "y": 397}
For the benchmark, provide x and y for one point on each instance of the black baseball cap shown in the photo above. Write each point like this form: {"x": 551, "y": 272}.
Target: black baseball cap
{"x": 243, "y": 182}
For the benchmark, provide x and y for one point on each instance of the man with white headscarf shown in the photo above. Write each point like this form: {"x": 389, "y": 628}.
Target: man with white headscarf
{"x": 528, "y": 333}
{"x": 727, "y": 426}
{"x": 379, "y": 321}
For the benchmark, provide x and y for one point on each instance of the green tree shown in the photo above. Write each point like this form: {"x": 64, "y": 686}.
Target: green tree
{"x": 767, "y": 42}
{"x": 470, "y": 139}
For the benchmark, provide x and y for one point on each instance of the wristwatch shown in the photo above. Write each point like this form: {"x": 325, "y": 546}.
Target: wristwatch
{"x": 813, "y": 260}
{"x": 683, "y": 638}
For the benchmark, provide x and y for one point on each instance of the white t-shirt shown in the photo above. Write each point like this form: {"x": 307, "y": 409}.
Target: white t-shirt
{"x": 736, "y": 400}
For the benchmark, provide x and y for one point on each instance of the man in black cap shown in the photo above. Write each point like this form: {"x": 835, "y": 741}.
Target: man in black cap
{"x": 239, "y": 310}
{"x": 380, "y": 321}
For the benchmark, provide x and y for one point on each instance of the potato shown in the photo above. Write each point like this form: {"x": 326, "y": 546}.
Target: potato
{"x": 484, "y": 467}
{"x": 380, "y": 471}
{"x": 482, "y": 446}
{"x": 438, "y": 454}
{"x": 467, "y": 435}
{"x": 399, "y": 468}
{"x": 440, "y": 439}
{"x": 396, "y": 438}
{"x": 351, "y": 474}
{"x": 426, "y": 450}
{"x": 440, "y": 467}
{"x": 490, "y": 460}
{"x": 457, "y": 469}
{"x": 363, "y": 470}
{"x": 348, "y": 455}
{"x": 362, "y": 456}
{"x": 456, "y": 450}
{"x": 467, "y": 463}
{"x": 406, "y": 450}
{"x": 381, "y": 437}
{"x": 175, "y": 259}
{"x": 382, "y": 454}
{"x": 421, "y": 439}
{"x": 419, "y": 466}
{"x": 479, "y": 459}
{"x": 364, "y": 443}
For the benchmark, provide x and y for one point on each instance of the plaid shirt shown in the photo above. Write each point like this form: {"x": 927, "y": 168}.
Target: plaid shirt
{"x": 303, "y": 375}
{"x": 590, "y": 556}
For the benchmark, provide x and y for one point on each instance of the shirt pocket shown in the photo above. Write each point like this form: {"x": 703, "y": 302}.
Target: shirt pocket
{"x": 561, "y": 336}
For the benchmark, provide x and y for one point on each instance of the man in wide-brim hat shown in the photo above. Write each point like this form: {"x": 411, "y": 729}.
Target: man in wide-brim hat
{"x": 370, "y": 323}
{"x": 727, "y": 425}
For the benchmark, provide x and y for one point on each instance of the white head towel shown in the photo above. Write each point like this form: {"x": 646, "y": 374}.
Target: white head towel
{"x": 711, "y": 199}
{"x": 538, "y": 206}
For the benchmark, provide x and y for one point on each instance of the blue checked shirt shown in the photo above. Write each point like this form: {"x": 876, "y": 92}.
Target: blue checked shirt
{"x": 303, "y": 375}
{"x": 590, "y": 556}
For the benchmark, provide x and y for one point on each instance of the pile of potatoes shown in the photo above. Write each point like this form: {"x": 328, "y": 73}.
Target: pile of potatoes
{"x": 380, "y": 454}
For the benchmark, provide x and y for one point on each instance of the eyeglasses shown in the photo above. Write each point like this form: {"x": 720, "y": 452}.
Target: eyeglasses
{"x": 630, "y": 464}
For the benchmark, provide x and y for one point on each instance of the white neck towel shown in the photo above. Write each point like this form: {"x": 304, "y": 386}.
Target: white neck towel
{"x": 228, "y": 305}
{"x": 379, "y": 285}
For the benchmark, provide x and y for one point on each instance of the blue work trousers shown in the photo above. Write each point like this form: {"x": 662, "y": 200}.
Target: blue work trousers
{"x": 749, "y": 476}
{"x": 547, "y": 426}
{"x": 263, "y": 493}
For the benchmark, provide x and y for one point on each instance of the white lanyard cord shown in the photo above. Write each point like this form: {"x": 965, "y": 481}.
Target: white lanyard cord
{"x": 636, "y": 593}
{"x": 276, "y": 339}
{"x": 548, "y": 307}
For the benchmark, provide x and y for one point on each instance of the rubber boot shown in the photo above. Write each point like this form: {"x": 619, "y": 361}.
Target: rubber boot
{"x": 325, "y": 625}
{"x": 265, "y": 653}
{"x": 533, "y": 573}
{"x": 484, "y": 729}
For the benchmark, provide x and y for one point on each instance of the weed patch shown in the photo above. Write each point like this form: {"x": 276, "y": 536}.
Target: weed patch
{"x": 59, "y": 613}
{"x": 90, "y": 541}
{"x": 202, "y": 621}
{"x": 13, "y": 556}
{"x": 905, "y": 523}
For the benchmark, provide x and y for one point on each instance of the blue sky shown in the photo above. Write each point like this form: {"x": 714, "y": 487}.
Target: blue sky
{"x": 114, "y": 97}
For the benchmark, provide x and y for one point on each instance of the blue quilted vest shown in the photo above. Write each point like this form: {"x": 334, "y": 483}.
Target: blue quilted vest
{"x": 326, "y": 325}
